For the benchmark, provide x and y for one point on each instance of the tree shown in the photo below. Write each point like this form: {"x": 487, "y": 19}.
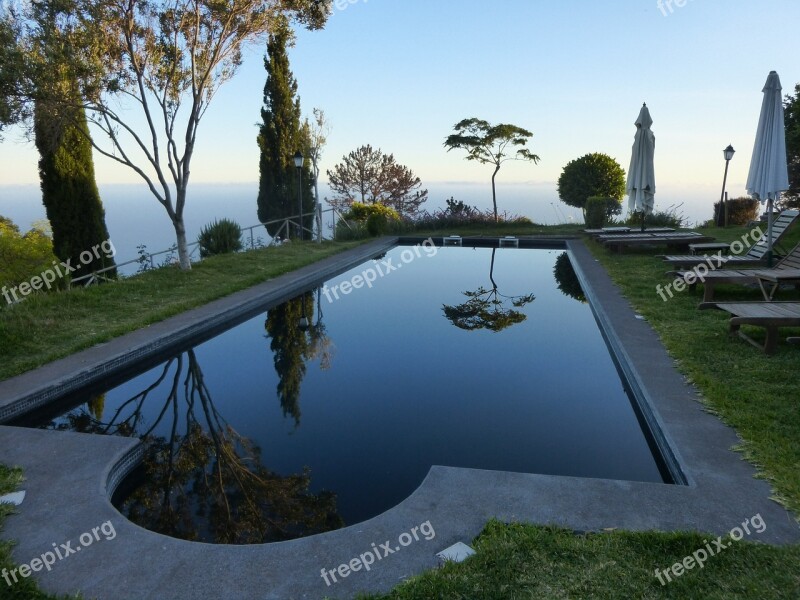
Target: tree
{"x": 168, "y": 58}
{"x": 486, "y": 309}
{"x": 369, "y": 176}
{"x": 290, "y": 345}
{"x": 69, "y": 190}
{"x": 33, "y": 72}
{"x": 317, "y": 136}
{"x": 566, "y": 278}
{"x": 791, "y": 199}
{"x": 23, "y": 257}
{"x": 203, "y": 481}
{"x": 279, "y": 138}
{"x": 492, "y": 145}
{"x": 11, "y": 73}
{"x": 595, "y": 174}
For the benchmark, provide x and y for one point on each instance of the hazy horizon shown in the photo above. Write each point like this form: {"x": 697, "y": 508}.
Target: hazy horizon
{"x": 134, "y": 217}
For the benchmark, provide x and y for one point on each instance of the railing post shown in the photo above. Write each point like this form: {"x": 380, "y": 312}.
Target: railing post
{"x": 319, "y": 223}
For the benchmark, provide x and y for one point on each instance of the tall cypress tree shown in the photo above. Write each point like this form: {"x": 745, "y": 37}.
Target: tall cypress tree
{"x": 280, "y": 137}
{"x": 69, "y": 189}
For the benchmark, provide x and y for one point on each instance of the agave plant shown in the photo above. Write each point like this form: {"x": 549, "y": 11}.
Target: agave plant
{"x": 220, "y": 237}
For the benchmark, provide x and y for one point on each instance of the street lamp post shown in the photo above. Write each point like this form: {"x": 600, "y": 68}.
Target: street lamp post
{"x": 303, "y": 324}
{"x": 728, "y": 152}
{"x": 298, "y": 162}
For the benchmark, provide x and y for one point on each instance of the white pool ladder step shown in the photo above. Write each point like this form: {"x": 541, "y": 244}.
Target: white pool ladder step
{"x": 509, "y": 242}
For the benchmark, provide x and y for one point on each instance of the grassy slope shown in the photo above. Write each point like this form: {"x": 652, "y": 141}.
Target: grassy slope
{"x": 523, "y": 561}
{"x": 47, "y": 327}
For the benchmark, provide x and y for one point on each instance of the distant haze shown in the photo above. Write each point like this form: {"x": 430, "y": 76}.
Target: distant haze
{"x": 134, "y": 217}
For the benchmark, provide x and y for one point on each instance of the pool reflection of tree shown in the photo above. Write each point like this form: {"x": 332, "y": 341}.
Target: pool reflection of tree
{"x": 566, "y": 278}
{"x": 297, "y": 337}
{"x": 208, "y": 483}
{"x": 486, "y": 309}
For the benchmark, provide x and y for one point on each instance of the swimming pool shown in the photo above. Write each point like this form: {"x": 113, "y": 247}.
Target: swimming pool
{"x": 330, "y": 408}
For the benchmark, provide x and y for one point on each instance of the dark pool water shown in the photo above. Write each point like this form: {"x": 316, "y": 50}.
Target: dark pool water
{"x": 273, "y": 430}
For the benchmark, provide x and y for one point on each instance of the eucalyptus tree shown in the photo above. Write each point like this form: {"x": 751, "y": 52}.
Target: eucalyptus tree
{"x": 12, "y": 103}
{"x": 491, "y": 145}
{"x": 316, "y": 133}
{"x": 166, "y": 60}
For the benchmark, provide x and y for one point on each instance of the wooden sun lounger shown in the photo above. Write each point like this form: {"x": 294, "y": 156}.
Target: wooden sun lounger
{"x": 769, "y": 315}
{"x": 678, "y": 239}
{"x": 755, "y": 256}
{"x": 626, "y": 231}
{"x": 709, "y": 280}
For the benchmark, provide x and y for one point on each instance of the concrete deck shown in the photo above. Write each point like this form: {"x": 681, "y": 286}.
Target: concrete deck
{"x": 69, "y": 478}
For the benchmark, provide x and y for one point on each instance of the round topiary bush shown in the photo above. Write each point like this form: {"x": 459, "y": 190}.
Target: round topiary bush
{"x": 595, "y": 174}
{"x": 220, "y": 237}
{"x": 567, "y": 279}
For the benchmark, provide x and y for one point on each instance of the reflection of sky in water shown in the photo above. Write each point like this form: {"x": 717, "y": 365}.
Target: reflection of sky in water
{"x": 407, "y": 389}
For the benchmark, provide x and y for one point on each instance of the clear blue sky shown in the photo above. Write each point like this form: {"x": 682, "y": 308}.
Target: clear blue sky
{"x": 399, "y": 73}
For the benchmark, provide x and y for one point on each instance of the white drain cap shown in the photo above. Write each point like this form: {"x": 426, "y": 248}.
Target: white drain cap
{"x": 16, "y": 498}
{"x": 456, "y": 553}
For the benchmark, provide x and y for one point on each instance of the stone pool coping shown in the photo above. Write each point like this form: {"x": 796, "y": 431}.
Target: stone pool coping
{"x": 68, "y": 477}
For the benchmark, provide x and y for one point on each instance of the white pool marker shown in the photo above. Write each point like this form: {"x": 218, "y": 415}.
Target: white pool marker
{"x": 456, "y": 553}
{"x": 509, "y": 242}
{"x": 16, "y": 498}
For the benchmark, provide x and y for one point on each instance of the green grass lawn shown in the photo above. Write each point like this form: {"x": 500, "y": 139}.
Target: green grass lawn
{"x": 527, "y": 562}
{"x": 51, "y": 326}
{"x": 755, "y": 394}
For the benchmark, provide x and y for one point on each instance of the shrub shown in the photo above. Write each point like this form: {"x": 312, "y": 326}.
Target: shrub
{"x": 600, "y": 209}
{"x": 377, "y": 224}
{"x": 459, "y": 209}
{"x": 362, "y": 212}
{"x": 658, "y": 218}
{"x": 567, "y": 280}
{"x": 220, "y": 237}
{"x": 23, "y": 257}
{"x": 442, "y": 219}
{"x": 740, "y": 211}
{"x": 591, "y": 175}
{"x": 367, "y": 219}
